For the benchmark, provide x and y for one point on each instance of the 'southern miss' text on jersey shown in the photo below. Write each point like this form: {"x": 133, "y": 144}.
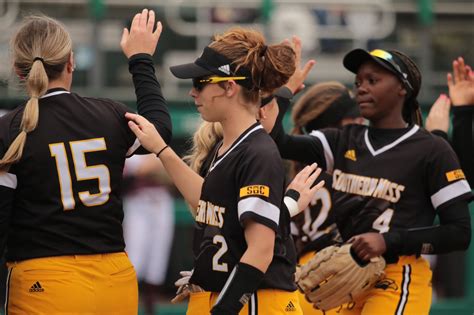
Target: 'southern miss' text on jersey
{"x": 244, "y": 183}
{"x": 414, "y": 174}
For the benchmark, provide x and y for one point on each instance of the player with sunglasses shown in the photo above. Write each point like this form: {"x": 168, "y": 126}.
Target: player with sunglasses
{"x": 244, "y": 257}
{"x": 395, "y": 162}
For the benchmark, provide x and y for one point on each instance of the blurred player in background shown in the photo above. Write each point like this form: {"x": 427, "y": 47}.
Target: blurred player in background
{"x": 61, "y": 176}
{"x": 148, "y": 224}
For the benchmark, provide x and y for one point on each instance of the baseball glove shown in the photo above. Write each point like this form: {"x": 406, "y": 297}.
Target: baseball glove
{"x": 335, "y": 276}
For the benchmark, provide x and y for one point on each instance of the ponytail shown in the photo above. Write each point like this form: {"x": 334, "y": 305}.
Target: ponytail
{"x": 36, "y": 85}
{"x": 41, "y": 48}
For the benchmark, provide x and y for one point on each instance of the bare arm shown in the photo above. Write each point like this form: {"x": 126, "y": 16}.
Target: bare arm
{"x": 186, "y": 180}
{"x": 260, "y": 243}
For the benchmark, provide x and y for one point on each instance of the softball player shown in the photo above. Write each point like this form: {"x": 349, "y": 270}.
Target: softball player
{"x": 401, "y": 174}
{"x": 244, "y": 255}
{"x": 324, "y": 105}
{"x": 61, "y": 177}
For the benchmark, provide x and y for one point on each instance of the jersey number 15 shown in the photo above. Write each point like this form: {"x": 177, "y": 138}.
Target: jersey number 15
{"x": 82, "y": 170}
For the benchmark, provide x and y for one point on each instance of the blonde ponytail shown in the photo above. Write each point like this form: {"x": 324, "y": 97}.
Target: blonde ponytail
{"x": 41, "y": 49}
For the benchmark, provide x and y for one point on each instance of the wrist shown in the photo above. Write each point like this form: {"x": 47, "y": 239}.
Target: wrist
{"x": 291, "y": 202}
{"x": 160, "y": 151}
{"x": 241, "y": 284}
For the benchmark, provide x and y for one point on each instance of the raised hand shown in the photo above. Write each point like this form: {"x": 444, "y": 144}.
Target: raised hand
{"x": 141, "y": 38}
{"x": 296, "y": 82}
{"x": 303, "y": 184}
{"x": 461, "y": 83}
{"x": 438, "y": 117}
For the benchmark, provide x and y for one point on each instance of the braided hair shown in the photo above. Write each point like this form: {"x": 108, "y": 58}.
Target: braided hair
{"x": 411, "y": 109}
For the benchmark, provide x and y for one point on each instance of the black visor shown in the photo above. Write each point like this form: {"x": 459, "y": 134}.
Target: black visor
{"x": 212, "y": 63}
{"x": 355, "y": 58}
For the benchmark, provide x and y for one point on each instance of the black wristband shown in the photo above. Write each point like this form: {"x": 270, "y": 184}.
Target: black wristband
{"x": 159, "y": 152}
{"x": 241, "y": 284}
{"x": 293, "y": 194}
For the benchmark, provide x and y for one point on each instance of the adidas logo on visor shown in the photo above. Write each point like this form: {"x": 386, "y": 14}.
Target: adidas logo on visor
{"x": 225, "y": 69}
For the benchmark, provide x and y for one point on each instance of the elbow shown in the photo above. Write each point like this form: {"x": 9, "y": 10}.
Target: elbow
{"x": 263, "y": 254}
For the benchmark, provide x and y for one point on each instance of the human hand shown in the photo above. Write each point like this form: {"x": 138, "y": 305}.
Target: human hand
{"x": 438, "y": 117}
{"x": 183, "y": 286}
{"x": 461, "y": 83}
{"x": 368, "y": 245}
{"x": 146, "y": 133}
{"x": 303, "y": 184}
{"x": 296, "y": 82}
{"x": 141, "y": 38}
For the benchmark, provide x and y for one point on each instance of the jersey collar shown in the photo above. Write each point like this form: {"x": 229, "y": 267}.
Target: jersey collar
{"x": 55, "y": 91}
{"x": 236, "y": 143}
{"x": 387, "y": 147}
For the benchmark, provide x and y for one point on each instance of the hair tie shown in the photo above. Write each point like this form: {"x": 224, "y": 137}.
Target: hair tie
{"x": 38, "y": 58}
{"x": 263, "y": 51}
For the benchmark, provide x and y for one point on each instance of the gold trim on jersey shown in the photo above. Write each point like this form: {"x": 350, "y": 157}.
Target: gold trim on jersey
{"x": 455, "y": 175}
{"x": 255, "y": 190}
{"x": 210, "y": 214}
{"x": 367, "y": 186}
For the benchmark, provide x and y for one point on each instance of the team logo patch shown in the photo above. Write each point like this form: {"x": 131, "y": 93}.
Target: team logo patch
{"x": 455, "y": 175}
{"x": 255, "y": 190}
{"x": 351, "y": 155}
{"x": 36, "y": 287}
{"x": 386, "y": 284}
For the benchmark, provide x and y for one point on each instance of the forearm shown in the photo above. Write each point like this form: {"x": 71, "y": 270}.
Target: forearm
{"x": 247, "y": 275}
{"x": 188, "y": 182}
{"x": 453, "y": 233}
{"x": 150, "y": 101}
{"x": 301, "y": 148}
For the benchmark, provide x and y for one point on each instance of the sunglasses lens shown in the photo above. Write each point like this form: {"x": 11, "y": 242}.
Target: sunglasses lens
{"x": 197, "y": 84}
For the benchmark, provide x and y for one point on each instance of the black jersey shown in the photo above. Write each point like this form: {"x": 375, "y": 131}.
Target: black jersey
{"x": 406, "y": 181}
{"x": 246, "y": 182}
{"x": 64, "y": 193}
{"x": 315, "y": 228}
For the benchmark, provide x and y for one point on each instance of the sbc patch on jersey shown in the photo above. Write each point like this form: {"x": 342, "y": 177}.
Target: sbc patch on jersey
{"x": 455, "y": 175}
{"x": 255, "y": 190}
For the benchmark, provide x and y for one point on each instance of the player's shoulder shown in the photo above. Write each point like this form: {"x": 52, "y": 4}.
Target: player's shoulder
{"x": 430, "y": 141}
{"x": 107, "y": 103}
{"x": 11, "y": 119}
{"x": 260, "y": 143}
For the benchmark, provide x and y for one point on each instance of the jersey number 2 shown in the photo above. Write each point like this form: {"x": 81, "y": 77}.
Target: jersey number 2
{"x": 216, "y": 265}
{"x": 82, "y": 170}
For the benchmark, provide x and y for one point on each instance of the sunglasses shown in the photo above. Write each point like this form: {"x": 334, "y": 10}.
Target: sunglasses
{"x": 382, "y": 54}
{"x": 200, "y": 83}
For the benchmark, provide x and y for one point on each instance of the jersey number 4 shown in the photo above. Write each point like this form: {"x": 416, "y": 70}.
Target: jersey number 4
{"x": 82, "y": 170}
